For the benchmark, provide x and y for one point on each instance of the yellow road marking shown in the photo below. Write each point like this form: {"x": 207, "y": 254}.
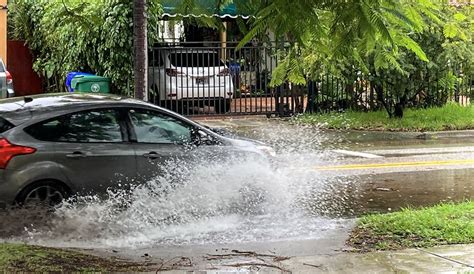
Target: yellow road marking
{"x": 395, "y": 165}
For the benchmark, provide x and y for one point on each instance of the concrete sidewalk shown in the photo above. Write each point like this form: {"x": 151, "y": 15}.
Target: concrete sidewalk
{"x": 444, "y": 259}
{"x": 447, "y": 259}
{"x": 459, "y": 258}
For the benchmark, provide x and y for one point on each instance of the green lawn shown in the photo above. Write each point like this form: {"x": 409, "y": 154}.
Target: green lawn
{"x": 26, "y": 258}
{"x": 442, "y": 224}
{"x": 450, "y": 117}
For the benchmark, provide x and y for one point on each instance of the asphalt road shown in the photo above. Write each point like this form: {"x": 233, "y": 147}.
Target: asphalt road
{"x": 339, "y": 176}
{"x": 387, "y": 171}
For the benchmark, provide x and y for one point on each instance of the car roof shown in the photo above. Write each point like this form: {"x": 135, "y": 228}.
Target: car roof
{"x": 20, "y": 109}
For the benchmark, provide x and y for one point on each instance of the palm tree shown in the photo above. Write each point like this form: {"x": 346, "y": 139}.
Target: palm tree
{"x": 140, "y": 49}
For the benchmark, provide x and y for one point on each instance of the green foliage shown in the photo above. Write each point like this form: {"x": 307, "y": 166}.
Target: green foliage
{"x": 401, "y": 47}
{"x": 328, "y": 31}
{"x": 80, "y": 35}
{"x": 26, "y": 258}
{"x": 449, "y": 117}
{"x": 442, "y": 224}
{"x": 447, "y": 60}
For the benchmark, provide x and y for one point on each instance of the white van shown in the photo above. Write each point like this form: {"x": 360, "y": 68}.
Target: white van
{"x": 193, "y": 75}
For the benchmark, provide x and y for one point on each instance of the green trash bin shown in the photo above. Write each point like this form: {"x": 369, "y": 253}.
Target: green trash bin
{"x": 91, "y": 83}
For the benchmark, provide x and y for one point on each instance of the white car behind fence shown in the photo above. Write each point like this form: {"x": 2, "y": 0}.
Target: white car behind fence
{"x": 190, "y": 77}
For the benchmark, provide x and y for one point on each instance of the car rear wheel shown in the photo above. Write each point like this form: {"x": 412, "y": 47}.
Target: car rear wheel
{"x": 44, "y": 194}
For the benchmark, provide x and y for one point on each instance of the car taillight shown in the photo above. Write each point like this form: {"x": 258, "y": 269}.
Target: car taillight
{"x": 224, "y": 72}
{"x": 9, "y": 77}
{"x": 9, "y": 150}
{"x": 173, "y": 72}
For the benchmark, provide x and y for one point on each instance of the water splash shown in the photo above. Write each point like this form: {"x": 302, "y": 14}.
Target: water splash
{"x": 219, "y": 200}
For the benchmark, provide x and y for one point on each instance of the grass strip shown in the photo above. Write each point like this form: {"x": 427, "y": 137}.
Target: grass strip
{"x": 449, "y": 117}
{"x": 26, "y": 258}
{"x": 442, "y": 224}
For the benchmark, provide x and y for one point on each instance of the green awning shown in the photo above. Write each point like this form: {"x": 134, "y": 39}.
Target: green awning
{"x": 201, "y": 8}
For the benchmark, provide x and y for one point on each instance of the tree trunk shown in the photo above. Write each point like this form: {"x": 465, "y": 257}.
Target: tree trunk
{"x": 140, "y": 49}
{"x": 381, "y": 98}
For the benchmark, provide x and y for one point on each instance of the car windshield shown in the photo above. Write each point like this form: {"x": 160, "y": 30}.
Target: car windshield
{"x": 2, "y": 66}
{"x": 195, "y": 59}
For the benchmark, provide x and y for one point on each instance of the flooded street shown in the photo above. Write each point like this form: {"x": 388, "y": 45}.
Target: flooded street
{"x": 372, "y": 189}
{"x": 389, "y": 192}
{"x": 302, "y": 202}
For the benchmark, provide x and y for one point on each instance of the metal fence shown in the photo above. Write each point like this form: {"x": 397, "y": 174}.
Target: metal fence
{"x": 215, "y": 78}
{"x": 364, "y": 93}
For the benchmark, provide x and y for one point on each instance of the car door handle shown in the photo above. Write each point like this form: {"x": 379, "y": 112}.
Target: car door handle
{"x": 151, "y": 155}
{"x": 76, "y": 155}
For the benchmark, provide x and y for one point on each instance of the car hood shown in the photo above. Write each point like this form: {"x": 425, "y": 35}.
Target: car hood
{"x": 250, "y": 145}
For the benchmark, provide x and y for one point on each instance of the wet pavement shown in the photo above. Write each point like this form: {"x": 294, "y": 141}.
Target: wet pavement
{"x": 325, "y": 180}
{"x": 392, "y": 191}
{"x": 444, "y": 259}
{"x": 450, "y": 259}
{"x": 390, "y": 170}
{"x": 440, "y": 168}
{"x": 364, "y": 173}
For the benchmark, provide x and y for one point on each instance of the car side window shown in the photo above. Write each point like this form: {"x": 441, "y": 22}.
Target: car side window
{"x": 94, "y": 126}
{"x": 5, "y": 125}
{"x": 157, "y": 128}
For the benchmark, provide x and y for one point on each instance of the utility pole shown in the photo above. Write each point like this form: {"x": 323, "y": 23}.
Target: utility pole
{"x": 140, "y": 44}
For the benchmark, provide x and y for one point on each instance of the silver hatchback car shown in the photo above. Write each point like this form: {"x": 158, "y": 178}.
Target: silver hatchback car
{"x": 53, "y": 146}
{"x": 6, "y": 82}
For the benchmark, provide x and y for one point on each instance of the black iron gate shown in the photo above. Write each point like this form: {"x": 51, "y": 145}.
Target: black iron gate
{"x": 214, "y": 78}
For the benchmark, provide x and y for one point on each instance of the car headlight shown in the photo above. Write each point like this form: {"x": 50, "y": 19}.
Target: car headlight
{"x": 267, "y": 150}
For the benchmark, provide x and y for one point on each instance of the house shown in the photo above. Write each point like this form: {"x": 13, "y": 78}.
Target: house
{"x": 179, "y": 21}
{"x": 18, "y": 59}
{"x": 251, "y": 65}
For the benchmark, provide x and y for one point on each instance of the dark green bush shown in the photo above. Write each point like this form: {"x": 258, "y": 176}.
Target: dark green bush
{"x": 80, "y": 35}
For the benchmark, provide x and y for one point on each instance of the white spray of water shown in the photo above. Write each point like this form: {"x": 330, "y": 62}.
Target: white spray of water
{"x": 236, "y": 199}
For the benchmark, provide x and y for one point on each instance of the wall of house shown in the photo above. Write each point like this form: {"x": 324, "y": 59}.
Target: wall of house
{"x": 171, "y": 31}
{"x": 25, "y": 80}
{"x": 3, "y": 31}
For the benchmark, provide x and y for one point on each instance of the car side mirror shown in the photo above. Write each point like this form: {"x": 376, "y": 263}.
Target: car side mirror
{"x": 200, "y": 137}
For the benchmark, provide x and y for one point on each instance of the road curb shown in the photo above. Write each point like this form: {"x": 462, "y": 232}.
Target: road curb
{"x": 446, "y": 134}
{"x": 427, "y": 135}
{"x": 423, "y": 135}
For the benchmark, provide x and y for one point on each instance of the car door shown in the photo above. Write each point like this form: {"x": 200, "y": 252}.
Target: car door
{"x": 158, "y": 138}
{"x": 91, "y": 147}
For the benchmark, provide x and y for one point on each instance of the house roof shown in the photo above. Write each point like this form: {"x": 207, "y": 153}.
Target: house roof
{"x": 202, "y": 8}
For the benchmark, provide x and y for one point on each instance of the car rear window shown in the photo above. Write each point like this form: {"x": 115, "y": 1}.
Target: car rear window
{"x": 5, "y": 125}
{"x": 92, "y": 126}
{"x": 195, "y": 59}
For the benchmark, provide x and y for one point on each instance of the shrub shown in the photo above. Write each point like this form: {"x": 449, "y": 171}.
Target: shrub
{"x": 80, "y": 35}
